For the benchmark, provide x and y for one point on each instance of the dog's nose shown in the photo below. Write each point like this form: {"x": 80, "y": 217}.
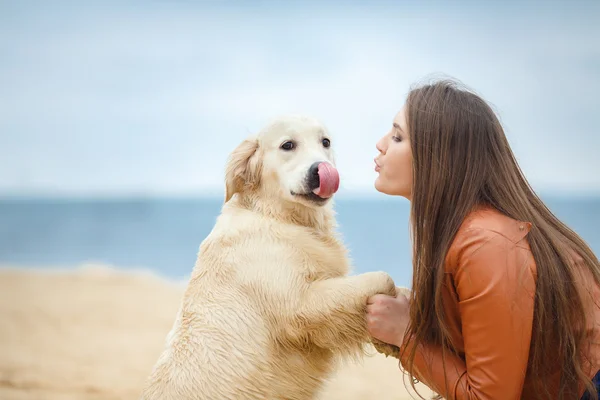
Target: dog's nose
{"x": 313, "y": 176}
{"x": 314, "y": 169}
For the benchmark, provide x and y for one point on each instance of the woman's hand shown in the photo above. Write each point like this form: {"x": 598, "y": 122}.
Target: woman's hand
{"x": 387, "y": 318}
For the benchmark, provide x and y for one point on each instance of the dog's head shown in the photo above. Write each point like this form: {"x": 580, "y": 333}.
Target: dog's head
{"x": 291, "y": 158}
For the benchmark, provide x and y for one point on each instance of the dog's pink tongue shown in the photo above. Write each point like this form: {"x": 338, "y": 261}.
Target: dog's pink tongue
{"x": 329, "y": 181}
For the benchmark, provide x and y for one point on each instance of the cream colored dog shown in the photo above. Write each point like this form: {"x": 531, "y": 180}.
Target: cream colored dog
{"x": 269, "y": 303}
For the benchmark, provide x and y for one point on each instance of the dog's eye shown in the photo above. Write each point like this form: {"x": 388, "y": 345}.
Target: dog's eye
{"x": 326, "y": 143}
{"x": 289, "y": 145}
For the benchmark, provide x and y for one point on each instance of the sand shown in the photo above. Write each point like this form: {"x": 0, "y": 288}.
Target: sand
{"x": 95, "y": 332}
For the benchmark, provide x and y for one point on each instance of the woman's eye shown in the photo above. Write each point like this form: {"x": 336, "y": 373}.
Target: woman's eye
{"x": 326, "y": 143}
{"x": 396, "y": 138}
{"x": 289, "y": 145}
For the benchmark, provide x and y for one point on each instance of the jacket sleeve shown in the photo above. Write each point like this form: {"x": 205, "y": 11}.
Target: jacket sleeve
{"x": 495, "y": 283}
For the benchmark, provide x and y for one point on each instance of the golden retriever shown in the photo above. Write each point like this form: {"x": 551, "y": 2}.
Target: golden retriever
{"x": 270, "y": 301}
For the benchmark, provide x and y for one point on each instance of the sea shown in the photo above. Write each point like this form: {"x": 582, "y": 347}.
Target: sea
{"x": 163, "y": 235}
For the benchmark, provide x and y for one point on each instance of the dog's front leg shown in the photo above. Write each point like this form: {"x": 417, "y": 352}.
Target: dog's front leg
{"x": 333, "y": 310}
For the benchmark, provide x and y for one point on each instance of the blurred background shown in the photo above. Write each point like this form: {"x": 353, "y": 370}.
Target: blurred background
{"x": 116, "y": 117}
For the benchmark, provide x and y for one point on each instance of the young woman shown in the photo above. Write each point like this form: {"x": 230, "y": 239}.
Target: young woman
{"x": 505, "y": 299}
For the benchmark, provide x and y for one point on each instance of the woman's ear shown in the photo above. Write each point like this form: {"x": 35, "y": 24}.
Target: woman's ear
{"x": 243, "y": 169}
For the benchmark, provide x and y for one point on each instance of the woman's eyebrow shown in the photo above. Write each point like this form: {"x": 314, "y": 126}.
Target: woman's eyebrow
{"x": 397, "y": 127}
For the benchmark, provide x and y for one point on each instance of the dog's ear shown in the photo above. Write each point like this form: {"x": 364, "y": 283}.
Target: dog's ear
{"x": 243, "y": 168}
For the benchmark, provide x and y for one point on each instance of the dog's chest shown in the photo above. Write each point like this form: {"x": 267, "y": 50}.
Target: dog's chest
{"x": 323, "y": 257}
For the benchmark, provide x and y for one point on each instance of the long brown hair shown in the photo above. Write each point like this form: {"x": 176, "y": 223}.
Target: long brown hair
{"x": 462, "y": 159}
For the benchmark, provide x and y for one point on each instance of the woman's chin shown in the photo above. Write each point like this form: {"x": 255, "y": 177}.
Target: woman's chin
{"x": 379, "y": 185}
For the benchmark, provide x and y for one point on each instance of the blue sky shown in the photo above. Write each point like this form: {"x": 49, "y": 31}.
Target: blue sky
{"x": 149, "y": 98}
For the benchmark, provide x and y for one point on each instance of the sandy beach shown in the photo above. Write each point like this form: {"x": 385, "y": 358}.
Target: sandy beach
{"x": 95, "y": 332}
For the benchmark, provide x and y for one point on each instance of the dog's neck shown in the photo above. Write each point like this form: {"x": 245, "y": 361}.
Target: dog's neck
{"x": 320, "y": 218}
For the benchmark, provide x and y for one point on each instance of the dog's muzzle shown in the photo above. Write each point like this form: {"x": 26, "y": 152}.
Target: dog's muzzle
{"x": 323, "y": 179}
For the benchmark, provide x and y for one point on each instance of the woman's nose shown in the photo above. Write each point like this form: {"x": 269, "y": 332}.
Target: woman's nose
{"x": 379, "y": 145}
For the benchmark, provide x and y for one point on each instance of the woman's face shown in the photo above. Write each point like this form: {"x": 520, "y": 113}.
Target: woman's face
{"x": 394, "y": 162}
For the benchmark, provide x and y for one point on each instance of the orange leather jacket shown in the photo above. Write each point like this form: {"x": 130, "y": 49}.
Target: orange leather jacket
{"x": 488, "y": 297}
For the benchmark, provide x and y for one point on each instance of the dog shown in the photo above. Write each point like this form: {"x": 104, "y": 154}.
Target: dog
{"x": 270, "y": 303}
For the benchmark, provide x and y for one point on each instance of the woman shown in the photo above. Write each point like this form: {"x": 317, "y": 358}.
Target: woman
{"x": 505, "y": 299}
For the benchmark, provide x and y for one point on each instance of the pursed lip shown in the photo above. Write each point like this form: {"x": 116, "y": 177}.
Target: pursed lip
{"x": 377, "y": 166}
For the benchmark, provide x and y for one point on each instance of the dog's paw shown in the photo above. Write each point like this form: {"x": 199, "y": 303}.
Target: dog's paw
{"x": 386, "y": 348}
{"x": 383, "y": 283}
{"x": 403, "y": 291}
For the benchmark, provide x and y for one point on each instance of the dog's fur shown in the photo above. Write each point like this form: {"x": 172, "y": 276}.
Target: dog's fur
{"x": 270, "y": 302}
